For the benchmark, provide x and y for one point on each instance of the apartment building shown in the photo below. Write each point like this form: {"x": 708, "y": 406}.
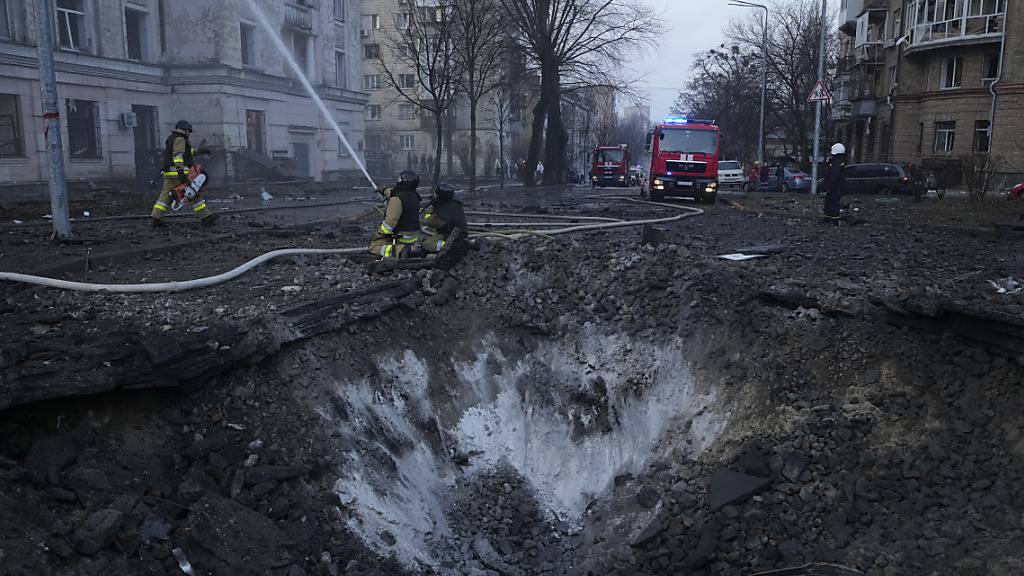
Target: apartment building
{"x": 928, "y": 80}
{"x": 127, "y": 70}
{"x": 399, "y": 134}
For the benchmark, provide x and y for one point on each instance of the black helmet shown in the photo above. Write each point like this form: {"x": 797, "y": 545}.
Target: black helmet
{"x": 183, "y": 125}
{"x": 409, "y": 179}
{"x": 444, "y": 192}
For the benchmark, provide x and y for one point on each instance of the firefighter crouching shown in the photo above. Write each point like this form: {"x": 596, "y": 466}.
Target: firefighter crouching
{"x": 443, "y": 217}
{"x": 400, "y": 231}
{"x": 177, "y": 160}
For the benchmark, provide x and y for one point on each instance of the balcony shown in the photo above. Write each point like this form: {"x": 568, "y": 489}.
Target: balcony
{"x": 298, "y": 16}
{"x": 961, "y": 29}
{"x": 876, "y": 4}
{"x": 848, "y": 16}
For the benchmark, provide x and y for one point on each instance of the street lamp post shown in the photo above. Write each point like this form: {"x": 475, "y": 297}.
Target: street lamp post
{"x": 764, "y": 70}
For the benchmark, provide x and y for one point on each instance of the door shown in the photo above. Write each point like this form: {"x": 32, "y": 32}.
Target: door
{"x": 147, "y": 143}
{"x": 300, "y": 151}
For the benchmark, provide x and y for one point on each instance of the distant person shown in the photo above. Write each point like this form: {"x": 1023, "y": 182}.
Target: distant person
{"x": 443, "y": 217}
{"x": 754, "y": 180}
{"x": 400, "y": 231}
{"x": 540, "y": 171}
{"x": 834, "y": 183}
{"x": 177, "y": 162}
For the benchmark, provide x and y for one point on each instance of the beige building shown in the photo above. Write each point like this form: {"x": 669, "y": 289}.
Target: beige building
{"x": 926, "y": 81}
{"x": 127, "y": 70}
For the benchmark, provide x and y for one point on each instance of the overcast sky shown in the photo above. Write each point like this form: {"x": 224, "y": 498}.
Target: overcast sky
{"x": 690, "y": 26}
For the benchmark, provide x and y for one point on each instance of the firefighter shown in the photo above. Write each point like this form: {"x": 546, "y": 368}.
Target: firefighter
{"x": 443, "y": 216}
{"x": 834, "y": 183}
{"x": 400, "y": 231}
{"x": 178, "y": 155}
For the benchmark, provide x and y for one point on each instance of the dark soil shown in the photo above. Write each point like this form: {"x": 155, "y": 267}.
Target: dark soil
{"x": 870, "y": 371}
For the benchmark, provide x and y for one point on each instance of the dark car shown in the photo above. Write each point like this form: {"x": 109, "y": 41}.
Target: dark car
{"x": 792, "y": 180}
{"x": 884, "y": 179}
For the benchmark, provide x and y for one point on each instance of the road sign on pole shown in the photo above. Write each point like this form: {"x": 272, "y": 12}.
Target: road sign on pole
{"x": 820, "y": 93}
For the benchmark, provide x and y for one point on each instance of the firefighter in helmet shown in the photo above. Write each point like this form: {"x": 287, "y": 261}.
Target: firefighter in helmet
{"x": 443, "y": 216}
{"x": 177, "y": 160}
{"x": 400, "y": 231}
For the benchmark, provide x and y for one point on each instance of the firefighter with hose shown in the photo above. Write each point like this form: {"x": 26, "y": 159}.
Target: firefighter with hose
{"x": 182, "y": 180}
{"x": 400, "y": 231}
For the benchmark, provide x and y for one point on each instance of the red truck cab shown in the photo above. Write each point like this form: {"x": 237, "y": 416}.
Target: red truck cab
{"x": 610, "y": 166}
{"x": 684, "y": 159}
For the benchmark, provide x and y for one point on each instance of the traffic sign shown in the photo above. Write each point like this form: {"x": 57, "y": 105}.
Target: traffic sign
{"x": 820, "y": 93}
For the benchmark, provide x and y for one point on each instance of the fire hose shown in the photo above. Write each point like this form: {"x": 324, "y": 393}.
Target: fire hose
{"x": 181, "y": 286}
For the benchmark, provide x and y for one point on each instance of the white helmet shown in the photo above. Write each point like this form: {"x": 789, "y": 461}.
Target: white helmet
{"x": 838, "y": 149}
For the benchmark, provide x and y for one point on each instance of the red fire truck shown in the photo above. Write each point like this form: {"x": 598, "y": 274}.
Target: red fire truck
{"x": 610, "y": 166}
{"x": 684, "y": 159}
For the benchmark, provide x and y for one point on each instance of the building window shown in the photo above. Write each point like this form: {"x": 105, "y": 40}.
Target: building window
{"x": 990, "y": 68}
{"x": 407, "y": 141}
{"x": 952, "y": 72}
{"x": 255, "y": 128}
{"x": 897, "y": 24}
{"x": 247, "y": 38}
{"x": 407, "y": 111}
{"x": 371, "y": 82}
{"x": 136, "y": 34}
{"x": 981, "y": 136}
{"x": 406, "y": 81}
{"x": 84, "y": 129}
{"x": 339, "y": 10}
{"x": 945, "y": 137}
{"x": 298, "y": 44}
{"x": 401, "y": 21}
{"x": 5, "y": 20}
{"x": 71, "y": 24}
{"x": 371, "y": 51}
{"x": 373, "y": 112}
{"x": 10, "y": 127}
{"x": 340, "y": 69}
{"x": 892, "y": 77}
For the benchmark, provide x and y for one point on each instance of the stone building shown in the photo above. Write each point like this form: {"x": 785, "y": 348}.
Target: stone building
{"x": 925, "y": 81}
{"x": 127, "y": 70}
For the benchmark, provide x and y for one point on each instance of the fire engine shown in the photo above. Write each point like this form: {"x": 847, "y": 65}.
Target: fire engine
{"x": 610, "y": 166}
{"x": 684, "y": 159}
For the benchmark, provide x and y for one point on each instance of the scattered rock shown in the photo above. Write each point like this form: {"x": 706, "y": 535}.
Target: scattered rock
{"x": 97, "y": 532}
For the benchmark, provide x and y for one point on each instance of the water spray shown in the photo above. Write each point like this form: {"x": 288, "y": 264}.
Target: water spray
{"x": 279, "y": 44}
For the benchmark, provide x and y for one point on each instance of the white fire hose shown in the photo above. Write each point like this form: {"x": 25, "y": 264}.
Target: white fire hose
{"x": 600, "y": 224}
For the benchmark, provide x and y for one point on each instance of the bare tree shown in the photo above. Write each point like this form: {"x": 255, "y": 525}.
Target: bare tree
{"x": 501, "y": 103}
{"x": 723, "y": 88}
{"x": 479, "y": 47}
{"x": 979, "y": 174}
{"x": 792, "y": 61}
{"x": 573, "y": 42}
{"x": 423, "y": 68}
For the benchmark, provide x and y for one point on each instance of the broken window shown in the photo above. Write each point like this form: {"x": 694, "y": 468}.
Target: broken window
{"x": 990, "y": 68}
{"x": 982, "y": 136}
{"x": 247, "y": 38}
{"x": 953, "y": 72}
{"x": 71, "y": 24}
{"x": 255, "y": 127}
{"x": 371, "y": 51}
{"x": 84, "y": 129}
{"x": 945, "y": 137}
{"x": 340, "y": 69}
{"x": 135, "y": 33}
{"x": 10, "y": 127}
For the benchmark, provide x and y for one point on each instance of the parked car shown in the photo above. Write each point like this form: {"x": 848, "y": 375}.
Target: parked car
{"x": 730, "y": 173}
{"x": 792, "y": 180}
{"x": 885, "y": 179}
{"x": 636, "y": 177}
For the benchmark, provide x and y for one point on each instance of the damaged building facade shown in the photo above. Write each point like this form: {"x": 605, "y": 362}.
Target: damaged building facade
{"x": 929, "y": 81}
{"x": 127, "y": 70}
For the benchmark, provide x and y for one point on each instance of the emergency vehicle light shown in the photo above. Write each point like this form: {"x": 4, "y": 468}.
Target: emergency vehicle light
{"x": 685, "y": 120}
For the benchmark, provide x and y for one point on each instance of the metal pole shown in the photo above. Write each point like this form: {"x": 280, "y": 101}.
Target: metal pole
{"x": 817, "y": 111}
{"x": 51, "y": 121}
{"x": 764, "y": 86}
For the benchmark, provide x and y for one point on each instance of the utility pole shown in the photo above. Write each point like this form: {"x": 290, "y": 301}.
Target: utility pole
{"x": 764, "y": 70}
{"x": 51, "y": 121}
{"x": 818, "y": 105}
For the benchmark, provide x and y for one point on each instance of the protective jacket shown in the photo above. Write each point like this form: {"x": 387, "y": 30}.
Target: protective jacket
{"x": 834, "y": 184}
{"x": 401, "y": 215}
{"x": 178, "y": 154}
{"x": 445, "y": 216}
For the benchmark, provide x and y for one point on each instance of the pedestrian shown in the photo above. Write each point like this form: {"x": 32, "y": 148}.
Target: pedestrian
{"x": 754, "y": 180}
{"x": 834, "y": 183}
{"x": 177, "y": 163}
{"x": 400, "y": 231}
{"x": 540, "y": 171}
{"x": 443, "y": 216}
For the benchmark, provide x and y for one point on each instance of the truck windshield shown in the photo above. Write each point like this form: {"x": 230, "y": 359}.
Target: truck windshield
{"x": 687, "y": 141}
{"x": 609, "y": 156}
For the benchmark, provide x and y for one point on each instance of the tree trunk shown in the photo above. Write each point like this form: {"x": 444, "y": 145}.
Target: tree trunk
{"x": 472, "y": 145}
{"x": 555, "y": 140}
{"x": 536, "y": 141}
{"x": 450, "y": 138}
{"x": 501, "y": 152}
{"x": 439, "y": 126}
